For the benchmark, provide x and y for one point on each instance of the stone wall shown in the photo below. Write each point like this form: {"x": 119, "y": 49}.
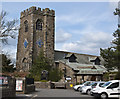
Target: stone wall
{"x": 54, "y": 85}
{"x": 77, "y": 78}
{"x": 30, "y": 88}
{"x": 69, "y": 72}
{"x": 42, "y": 84}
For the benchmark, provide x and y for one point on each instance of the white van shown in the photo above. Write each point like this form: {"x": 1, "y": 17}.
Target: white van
{"x": 110, "y": 89}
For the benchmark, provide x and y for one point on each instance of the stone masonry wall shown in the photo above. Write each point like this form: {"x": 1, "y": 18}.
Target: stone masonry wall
{"x": 69, "y": 72}
{"x": 45, "y": 37}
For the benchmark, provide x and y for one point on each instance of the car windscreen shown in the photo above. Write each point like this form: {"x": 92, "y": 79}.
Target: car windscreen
{"x": 87, "y": 83}
{"x": 92, "y": 84}
{"x": 105, "y": 84}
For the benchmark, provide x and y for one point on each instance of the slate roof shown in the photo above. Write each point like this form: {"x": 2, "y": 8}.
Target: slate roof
{"x": 83, "y": 64}
{"x": 81, "y": 58}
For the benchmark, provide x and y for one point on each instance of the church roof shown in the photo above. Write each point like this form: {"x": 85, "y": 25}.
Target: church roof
{"x": 85, "y": 68}
{"x": 81, "y": 58}
{"x": 83, "y": 64}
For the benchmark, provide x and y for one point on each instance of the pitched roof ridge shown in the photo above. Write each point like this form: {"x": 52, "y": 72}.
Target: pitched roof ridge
{"x": 76, "y": 53}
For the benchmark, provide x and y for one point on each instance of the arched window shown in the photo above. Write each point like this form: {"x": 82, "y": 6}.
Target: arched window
{"x": 26, "y": 26}
{"x": 39, "y": 24}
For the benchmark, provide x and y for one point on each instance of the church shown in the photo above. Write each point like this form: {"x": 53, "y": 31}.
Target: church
{"x": 37, "y": 34}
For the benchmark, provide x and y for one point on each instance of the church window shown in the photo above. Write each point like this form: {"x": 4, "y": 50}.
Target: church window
{"x": 26, "y": 26}
{"x": 25, "y": 43}
{"x": 39, "y": 25}
{"x": 39, "y": 43}
{"x": 46, "y": 36}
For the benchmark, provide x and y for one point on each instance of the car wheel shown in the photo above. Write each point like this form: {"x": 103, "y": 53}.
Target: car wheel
{"x": 88, "y": 92}
{"x": 104, "y": 96}
{"x": 78, "y": 89}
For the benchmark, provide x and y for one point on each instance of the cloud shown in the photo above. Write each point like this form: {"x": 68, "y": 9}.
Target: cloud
{"x": 69, "y": 18}
{"x": 62, "y": 36}
{"x": 11, "y": 49}
{"x": 90, "y": 43}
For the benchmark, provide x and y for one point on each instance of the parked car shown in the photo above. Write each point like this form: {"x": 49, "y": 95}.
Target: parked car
{"x": 77, "y": 87}
{"x": 87, "y": 89}
{"x": 110, "y": 89}
{"x": 96, "y": 85}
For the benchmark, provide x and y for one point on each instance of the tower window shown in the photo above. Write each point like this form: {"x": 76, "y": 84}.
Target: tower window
{"x": 26, "y": 26}
{"x": 46, "y": 36}
{"x": 39, "y": 25}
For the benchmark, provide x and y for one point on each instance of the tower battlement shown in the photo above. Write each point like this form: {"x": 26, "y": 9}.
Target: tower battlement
{"x": 38, "y": 10}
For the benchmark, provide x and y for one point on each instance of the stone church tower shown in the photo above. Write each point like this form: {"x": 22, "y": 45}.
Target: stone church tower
{"x": 36, "y": 34}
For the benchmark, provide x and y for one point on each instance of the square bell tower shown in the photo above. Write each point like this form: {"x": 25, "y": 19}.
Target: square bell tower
{"x": 36, "y": 34}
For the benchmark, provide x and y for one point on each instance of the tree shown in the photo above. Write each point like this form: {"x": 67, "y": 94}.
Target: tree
{"x": 108, "y": 56}
{"x": 112, "y": 54}
{"x": 42, "y": 63}
{"x": 116, "y": 42}
{"x": 55, "y": 74}
{"x": 7, "y": 65}
{"x": 7, "y": 28}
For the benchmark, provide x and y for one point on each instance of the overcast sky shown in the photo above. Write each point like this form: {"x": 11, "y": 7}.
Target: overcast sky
{"x": 81, "y": 27}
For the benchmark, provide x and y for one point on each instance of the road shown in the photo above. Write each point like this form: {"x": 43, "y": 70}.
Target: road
{"x": 54, "y": 93}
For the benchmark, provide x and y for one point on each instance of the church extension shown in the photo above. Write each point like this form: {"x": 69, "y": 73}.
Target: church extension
{"x": 36, "y": 34}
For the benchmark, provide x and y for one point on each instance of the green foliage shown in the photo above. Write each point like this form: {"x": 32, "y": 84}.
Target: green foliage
{"x": 41, "y": 63}
{"x": 44, "y": 81}
{"x": 108, "y": 56}
{"x": 117, "y": 77}
{"x": 116, "y": 43}
{"x": 112, "y": 55}
{"x": 55, "y": 74}
{"x": 106, "y": 77}
{"x": 7, "y": 65}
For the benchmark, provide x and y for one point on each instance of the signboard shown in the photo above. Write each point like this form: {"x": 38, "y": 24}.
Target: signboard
{"x": 19, "y": 85}
{"x": 68, "y": 78}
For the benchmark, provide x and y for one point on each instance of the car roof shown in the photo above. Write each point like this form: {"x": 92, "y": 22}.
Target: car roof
{"x": 100, "y": 81}
{"x": 114, "y": 81}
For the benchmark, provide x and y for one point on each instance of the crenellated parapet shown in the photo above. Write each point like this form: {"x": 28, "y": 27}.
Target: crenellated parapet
{"x": 38, "y": 10}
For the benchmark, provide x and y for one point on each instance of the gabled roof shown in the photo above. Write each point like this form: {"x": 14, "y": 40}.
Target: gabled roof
{"x": 81, "y": 58}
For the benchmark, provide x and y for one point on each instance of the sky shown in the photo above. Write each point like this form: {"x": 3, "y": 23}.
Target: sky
{"x": 80, "y": 27}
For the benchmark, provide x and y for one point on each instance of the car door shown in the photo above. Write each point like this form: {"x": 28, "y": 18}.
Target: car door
{"x": 112, "y": 90}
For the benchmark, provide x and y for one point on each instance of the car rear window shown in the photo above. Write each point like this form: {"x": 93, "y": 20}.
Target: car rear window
{"x": 101, "y": 84}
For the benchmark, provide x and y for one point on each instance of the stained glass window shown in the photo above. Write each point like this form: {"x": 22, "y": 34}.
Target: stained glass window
{"x": 39, "y": 43}
{"x": 25, "y": 43}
